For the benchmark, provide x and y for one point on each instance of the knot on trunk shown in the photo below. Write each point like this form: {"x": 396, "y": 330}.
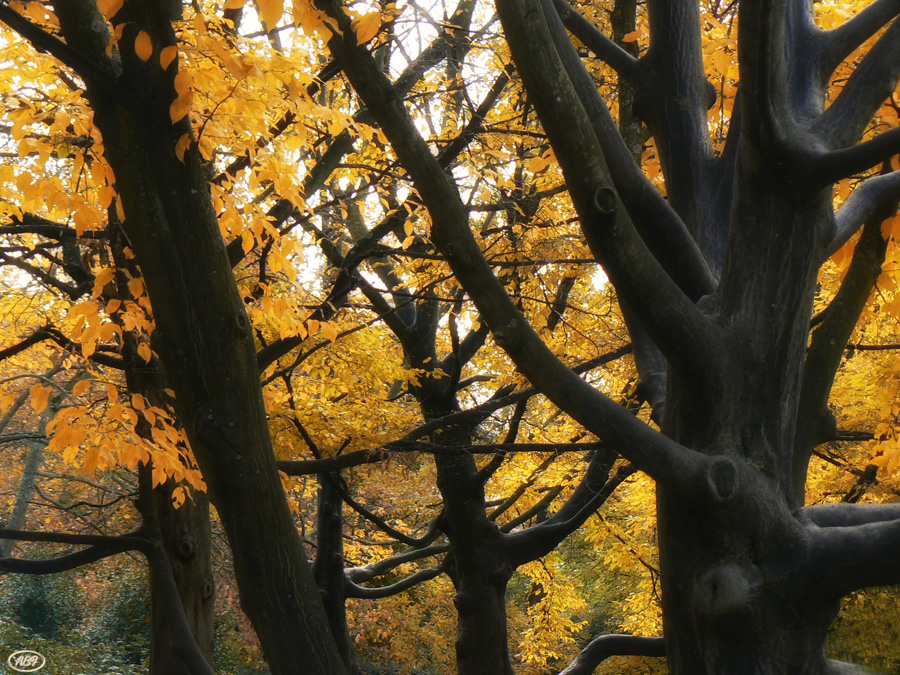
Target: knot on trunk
{"x": 722, "y": 477}
{"x": 723, "y": 589}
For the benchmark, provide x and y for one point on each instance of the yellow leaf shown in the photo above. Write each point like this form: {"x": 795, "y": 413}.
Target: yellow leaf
{"x": 112, "y": 394}
{"x": 181, "y": 146}
{"x": 270, "y": 12}
{"x": 247, "y": 241}
{"x": 181, "y": 106}
{"x": 143, "y": 46}
{"x": 330, "y": 331}
{"x": 81, "y": 387}
{"x": 137, "y": 401}
{"x": 178, "y": 496}
{"x": 145, "y": 352}
{"x": 109, "y": 8}
{"x": 103, "y": 277}
{"x": 312, "y": 327}
{"x": 408, "y": 242}
{"x": 136, "y": 287}
{"x": 366, "y": 27}
{"x": 632, "y": 36}
{"x": 537, "y": 164}
{"x": 167, "y": 55}
{"x": 113, "y": 306}
{"x": 40, "y": 395}
{"x": 235, "y": 4}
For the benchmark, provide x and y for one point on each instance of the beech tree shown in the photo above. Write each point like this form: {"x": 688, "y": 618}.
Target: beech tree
{"x": 714, "y": 249}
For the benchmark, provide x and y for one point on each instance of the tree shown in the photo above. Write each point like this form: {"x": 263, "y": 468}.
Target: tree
{"x": 721, "y": 277}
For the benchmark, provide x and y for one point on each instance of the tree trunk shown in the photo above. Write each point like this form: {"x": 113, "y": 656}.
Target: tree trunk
{"x": 328, "y": 568}
{"x": 187, "y": 542}
{"x": 475, "y": 563}
{"x": 733, "y": 600}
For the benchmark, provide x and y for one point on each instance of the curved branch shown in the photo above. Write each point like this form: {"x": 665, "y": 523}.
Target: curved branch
{"x": 866, "y": 199}
{"x": 72, "y": 560}
{"x": 844, "y": 559}
{"x": 430, "y": 534}
{"x": 826, "y": 349}
{"x": 356, "y": 591}
{"x": 603, "y": 47}
{"x": 850, "y": 515}
{"x": 601, "y": 648}
{"x": 830, "y": 167}
{"x": 385, "y": 565}
{"x": 539, "y": 540}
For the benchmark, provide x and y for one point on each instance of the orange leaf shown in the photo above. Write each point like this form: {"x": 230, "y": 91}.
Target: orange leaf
{"x": 109, "y": 8}
{"x": 143, "y": 46}
{"x": 145, "y": 352}
{"x": 367, "y": 27}
{"x": 40, "y": 395}
{"x": 270, "y": 12}
{"x": 181, "y": 146}
{"x": 136, "y": 287}
{"x": 167, "y": 55}
{"x": 632, "y": 36}
{"x": 330, "y": 331}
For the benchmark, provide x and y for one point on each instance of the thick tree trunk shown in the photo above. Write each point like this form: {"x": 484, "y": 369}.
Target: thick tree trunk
{"x": 732, "y": 599}
{"x": 477, "y": 569}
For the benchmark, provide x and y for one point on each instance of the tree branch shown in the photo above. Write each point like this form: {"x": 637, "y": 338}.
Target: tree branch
{"x": 826, "y": 348}
{"x": 850, "y": 515}
{"x": 846, "y": 558}
{"x": 356, "y": 591}
{"x": 385, "y": 565}
{"x": 601, "y": 648}
{"x": 131, "y": 542}
{"x": 603, "y": 47}
{"x": 542, "y": 538}
{"x": 830, "y": 167}
{"x": 872, "y": 82}
{"x": 861, "y": 205}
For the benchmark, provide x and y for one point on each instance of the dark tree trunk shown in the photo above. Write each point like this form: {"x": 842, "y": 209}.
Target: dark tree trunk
{"x": 328, "y": 568}
{"x": 187, "y": 539}
{"x": 476, "y": 566}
